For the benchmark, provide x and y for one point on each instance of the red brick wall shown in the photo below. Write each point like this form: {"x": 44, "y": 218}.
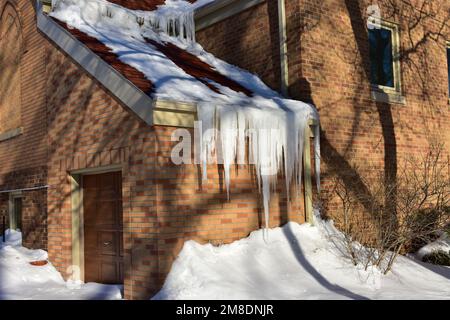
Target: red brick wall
{"x": 248, "y": 40}
{"x": 329, "y": 65}
{"x": 164, "y": 205}
{"x": 334, "y": 74}
{"x": 23, "y": 158}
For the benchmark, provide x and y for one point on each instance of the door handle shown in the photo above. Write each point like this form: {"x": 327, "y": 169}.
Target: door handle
{"x": 106, "y": 243}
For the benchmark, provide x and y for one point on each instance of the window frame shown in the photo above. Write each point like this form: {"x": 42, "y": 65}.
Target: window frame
{"x": 447, "y": 48}
{"x": 396, "y": 66}
{"x": 13, "y": 221}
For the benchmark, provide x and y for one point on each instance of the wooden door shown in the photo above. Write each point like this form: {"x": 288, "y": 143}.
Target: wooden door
{"x": 103, "y": 228}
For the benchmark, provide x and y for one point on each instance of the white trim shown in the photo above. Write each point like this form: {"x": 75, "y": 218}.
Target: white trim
{"x": 98, "y": 170}
{"x": 396, "y": 65}
{"x": 139, "y": 102}
{"x": 13, "y": 222}
{"x": 447, "y": 47}
{"x": 387, "y": 96}
{"x": 11, "y": 134}
{"x": 220, "y": 10}
{"x": 76, "y": 191}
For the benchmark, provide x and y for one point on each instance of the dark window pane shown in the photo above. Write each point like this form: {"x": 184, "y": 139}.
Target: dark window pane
{"x": 381, "y": 60}
{"x": 18, "y": 213}
{"x": 448, "y": 66}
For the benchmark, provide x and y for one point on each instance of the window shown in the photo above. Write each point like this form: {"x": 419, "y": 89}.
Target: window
{"x": 381, "y": 61}
{"x": 448, "y": 67}
{"x": 15, "y": 208}
{"x": 384, "y": 57}
{"x": 18, "y": 212}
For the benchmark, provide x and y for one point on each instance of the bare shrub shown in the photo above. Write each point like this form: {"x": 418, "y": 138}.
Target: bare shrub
{"x": 393, "y": 216}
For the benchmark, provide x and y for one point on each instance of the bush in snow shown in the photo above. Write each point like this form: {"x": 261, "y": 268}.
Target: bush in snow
{"x": 392, "y": 216}
{"x": 438, "y": 257}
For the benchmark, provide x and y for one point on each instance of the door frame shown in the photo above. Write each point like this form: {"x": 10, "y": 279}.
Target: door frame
{"x": 76, "y": 195}
{"x": 11, "y": 208}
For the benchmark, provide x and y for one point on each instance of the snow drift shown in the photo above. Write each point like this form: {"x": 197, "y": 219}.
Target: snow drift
{"x": 299, "y": 262}
{"x": 20, "y": 280}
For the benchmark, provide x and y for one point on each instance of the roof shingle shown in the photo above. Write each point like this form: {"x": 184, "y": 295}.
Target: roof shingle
{"x": 132, "y": 74}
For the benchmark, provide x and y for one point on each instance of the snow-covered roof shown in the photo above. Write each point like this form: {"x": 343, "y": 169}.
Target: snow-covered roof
{"x": 157, "y": 52}
{"x": 178, "y": 68}
{"x": 145, "y": 5}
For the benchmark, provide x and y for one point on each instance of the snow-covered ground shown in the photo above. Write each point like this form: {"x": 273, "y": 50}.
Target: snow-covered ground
{"x": 21, "y": 281}
{"x": 296, "y": 262}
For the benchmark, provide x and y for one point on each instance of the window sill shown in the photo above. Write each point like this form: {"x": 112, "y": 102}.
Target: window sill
{"x": 384, "y": 96}
{"x": 11, "y": 134}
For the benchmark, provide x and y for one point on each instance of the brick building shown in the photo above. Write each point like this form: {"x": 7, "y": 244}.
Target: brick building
{"x": 72, "y": 142}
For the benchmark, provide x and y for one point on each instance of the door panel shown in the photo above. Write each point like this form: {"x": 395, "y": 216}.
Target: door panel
{"x": 103, "y": 232}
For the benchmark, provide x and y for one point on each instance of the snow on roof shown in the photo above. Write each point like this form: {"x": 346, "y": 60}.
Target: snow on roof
{"x": 156, "y": 50}
{"x": 145, "y": 5}
{"x": 100, "y": 49}
{"x": 179, "y": 70}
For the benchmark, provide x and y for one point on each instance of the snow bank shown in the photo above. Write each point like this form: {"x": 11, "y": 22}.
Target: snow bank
{"x": 20, "y": 280}
{"x": 299, "y": 262}
{"x": 274, "y": 126}
{"x": 441, "y": 244}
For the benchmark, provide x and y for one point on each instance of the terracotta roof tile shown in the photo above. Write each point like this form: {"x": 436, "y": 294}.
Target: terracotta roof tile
{"x": 195, "y": 67}
{"x": 132, "y": 74}
{"x": 188, "y": 62}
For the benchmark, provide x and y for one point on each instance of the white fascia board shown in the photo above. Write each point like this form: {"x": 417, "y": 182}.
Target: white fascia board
{"x": 220, "y": 10}
{"x": 131, "y": 96}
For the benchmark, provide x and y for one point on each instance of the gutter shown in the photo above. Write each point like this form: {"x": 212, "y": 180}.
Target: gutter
{"x": 125, "y": 91}
{"x": 283, "y": 47}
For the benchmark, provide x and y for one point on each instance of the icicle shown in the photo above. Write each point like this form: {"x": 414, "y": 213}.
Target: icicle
{"x": 266, "y": 200}
{"x": 317, "y": 156}
{"x": 180, "y": 25}
{"x": 206, "y": 114}
{"x": 275, "y": 142}
{"x": 172, "y": 21}
{"x": 228, "y": 139}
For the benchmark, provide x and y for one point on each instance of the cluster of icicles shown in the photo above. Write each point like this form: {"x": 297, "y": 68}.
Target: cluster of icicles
{"x": 270, "y": 139}
{"x": 269, "y": 136}
{"x": 174, "y": 22}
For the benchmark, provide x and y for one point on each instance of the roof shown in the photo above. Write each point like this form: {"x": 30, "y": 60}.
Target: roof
{"x": 146, "y": 5}
{"x": 160, "y": 65}
{"x": 190, "y": 64}
{"x": 101, "y": 50}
